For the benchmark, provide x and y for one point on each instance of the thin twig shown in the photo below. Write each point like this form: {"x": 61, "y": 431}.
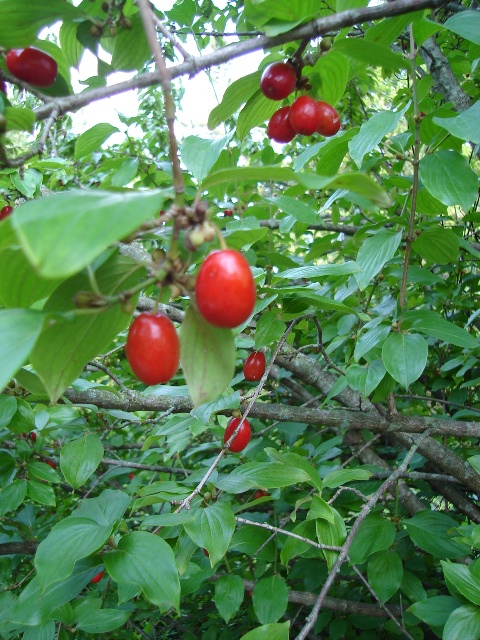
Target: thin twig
{"x": 269, "y": 527}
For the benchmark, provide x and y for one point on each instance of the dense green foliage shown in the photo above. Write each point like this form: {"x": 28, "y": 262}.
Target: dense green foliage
{"x": 356, "y": 499}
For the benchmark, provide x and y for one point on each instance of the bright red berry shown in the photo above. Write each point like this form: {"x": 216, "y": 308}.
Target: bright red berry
{"x": 131, "y": 475}
{"x": 329, "y": 119}
{"x": 254, "y": 366}
{"x": 33, "y": 436}
{"x": 243, "y": 436}
{"x": 33, "y": 66}
{"x": 279, "y": 127}
{"x": 3, "y": 86}
{"x": 6, "y": 211}
{"x": 153, "y": 348}
{"x": 304, "y": 116}
{"x": 51, "y": 463}
{"x": 278, "y": 80}
{"x": 225, "y": 289}
{"x": 97, "y": 578}
{"x": 228, "y": 212}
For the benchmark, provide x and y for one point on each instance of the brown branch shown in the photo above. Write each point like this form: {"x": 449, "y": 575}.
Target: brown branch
{"x": 28, "y": 547}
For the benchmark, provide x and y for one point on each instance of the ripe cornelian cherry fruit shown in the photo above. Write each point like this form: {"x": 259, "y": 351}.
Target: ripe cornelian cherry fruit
{"x": 6, "y": 211}
{"x": 254, "y": 366}
{"x": 304, "y": 116}
{"x": 33, "y": 66}
{"x": 279, "y": 127}
{"x": 329, "y": 119}
{"x": 243, "y": 436}
{"x": 97, "y": 578}
{"x": 228, "y": 212}
{"x": 153, "y": 348}
{"x": 51, "y": 463}
{"x": 278, "y": 80}
{"x": 225, "y": 289}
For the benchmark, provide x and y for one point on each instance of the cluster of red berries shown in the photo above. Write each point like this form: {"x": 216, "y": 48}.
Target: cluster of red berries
{"x": 33, "y": 66}
{"x": 305, "y": 116}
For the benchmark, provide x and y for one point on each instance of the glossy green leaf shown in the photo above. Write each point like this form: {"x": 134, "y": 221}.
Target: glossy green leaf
{"x": 374, "y": 253}
{"x": 294, "y": 460}
{"x": 42, "y": 471}
{"x": 256, "y": 111}
{"x": 8, "y": 408}
{"x": 270, "y": 599}
{"x": 207, "y": 357}
{"x": 434, "y": 611}
{"x": 269, "y": 329}
{"x": 412, "y": 587}
{"x": 465, "y": 24}
{"x": 92, "y": 139}
{"x": 12, "y": 496}
{"x": 371, "y": 53}
{"x": 339, "y": 477}
{"x": 432, "y": 324}
{"x": 373, "y": 131}
{"x": 44, "y": 632}
{"x": 463, "y": 624}
{"x": 235, "y": 95}
{"x": 437, "y": 245}
{"x": 434, "y": 532}
{"x": 374, "y": 534}
{"x": 78, "y": 536}
{"x": 19, "y": 330}
{"x": 91, "y": 618}
{"x": 318, "y": 271}
{"x": 365, "y": 378}
{"x": 267, "y": 475}
{"x": 229, "y": 592}
{"x": 449, "y": 178}
{"x": 212, "y": 529}
{"x": 63, "y": 233}
{"x": 71, "y": 47}
{"x": 463, "y": 126}
{"x": 405, "y": 356}
{"x": 463, "y": 578}
{"x": 385, "y": 573}
{"x": 291, "y": 11}
{"x": 19, "y": 119}
{"x": 84, "y": 335}
{"x": 369, "y": 339}
{"x": 293, "y": 547}
{"x": 277, "y": 631}
{"x": 40, "y": 492}
{"x": 329, "y": 153}
{"x": 199, "y": 155}
{"x": 80, "y": 458}
{"x": 131, "y": 563}
{"x": 331, "y": 533}
{"x": 333, "y": 69}
{"x": 301, "y": 211}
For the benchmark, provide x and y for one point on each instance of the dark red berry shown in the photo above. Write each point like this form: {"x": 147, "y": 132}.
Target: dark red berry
{"x": 228, "y": 212}
{"x": 243, "y": 436}
{"x": 329, "y": 119}
{"x": 131, "y": 475}
{"x": 51, "y": 463}
{"x": 33, "y": 66}
{"x": 6, "y": 211}
{"x": 304, "y": 116}
{"x": 279, "y": 127}
{"x": 254, "y": 366}
{"x": 278, "y": 80}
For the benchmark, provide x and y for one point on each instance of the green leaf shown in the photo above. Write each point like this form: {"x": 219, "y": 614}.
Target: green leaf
{"x": 235, "y": 95}
{"x": 449, "y": 178}
{"x": 277, "y": 631}
{"x": 83, "y": 335}
{"x": 465, "y": 24}
{"x": 42, "y": 471}
{"x": 8, "y": 408}
{"x": 293, "y": 547}
{"x": 371, "y": 53}
{"x": 463, "y": 623}
{"x": 12, "y": 496}
{"x": 41, "y": 493}
{"x": 44, "y": 632}
{"x": 229, "y": 591}
{"x": 374, "y": 534}
{"x": 434, "y": 611}
{"x": 320, "y": 509}
{"x": 199, "y": 155}
{"x": 125, "y": 173}
{"x": 333, "y": 69}
{"x": 78, "y": 536}
{"x": 291, "y": 11}
{"x": 475, "y": 462}
{"x": 331, "y": 533}
{"x": 270, "y": 599}
{"x": 345, "y": 5}
{"x": 463, "y": 126}
{"x": 437, "y": 245}
{"x": 370, "y": 339}
{"x": 385, "y": 573}
{"x": 373, "y": 131}
{"x": 464, "y": 579}
{"x": 146, "y": 560}
{"x": 434, "y": 325}
{"x": 365, "y": 378}
{"x": 374, "y": 253}
{"x": 89, "y": 617}
{"x": 295, "y": 460}
{"x": 301, "y": 211}
{"x": 92, "y": 139}
{"x": 207, "y": 357}
{"x": 405, "y": 356}
{"x": 19, "y": 119}
{"x": 257, "y": 110}
{"x": 131, "y": 49}
{"x": 433, "y": 532}
{"x": 339, "y": 477}
{"x": 269, "y": 329}
{"x": 412, "y": 587}
{"x": 266, "y": 475}
{"x": 22, "y": 20}
{"x": 319, "y": 271}
{"x": 28, "y": 182}
{"x": 212, "y": 529}
{"x": 80, "y": 458}
{"x": 63, "y": 233}
{"x": 19, "y": 330}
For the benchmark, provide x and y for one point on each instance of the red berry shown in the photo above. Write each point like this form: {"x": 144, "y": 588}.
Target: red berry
{"x": 228, "y": 212}
{"x": 97, "y": 578}
{"x": 243, "y": 436}
{"x": 225, "y": 289}
{"x": 131, "y": 475}
{"x": 329, "y": 119}
{"x": 153, "y": 348}
{"x": 33, "y": 436}
{"x": 51, "y": 463}
{"x": 259, "y": 494}
{"x": 205, "y": 551}
{"x": 33, "y": 66}
{"x": 3, "y": 86}
{"x": 254, "y": 366}
{"x": 279, "y": 127}
{"x": 278, "y": 80}
{"x": 304, "y": 116}
{"x": 6, "y": 211}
